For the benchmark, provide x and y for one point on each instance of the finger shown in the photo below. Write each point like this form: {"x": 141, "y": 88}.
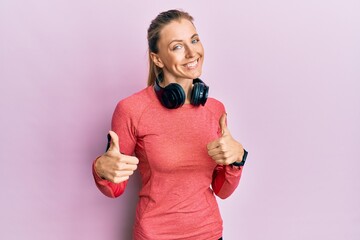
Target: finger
{"x": 220, "y": 143}
{"x": 222, "y": 123}
{"x": 126, "y": 166}
{"x": 129, "y": 160}
{"x": 215, "y": 151}
{"x": 220, "y": 162}
{"x": 220, "y": 156}
{"x": 119, "y": 179}
{"x": 213, "y": 145}
{"x": 123, "y": 173}
{"x": 120, "y": 166}
{"x": 113, "y": 140}
{"x": 224, "y": 161}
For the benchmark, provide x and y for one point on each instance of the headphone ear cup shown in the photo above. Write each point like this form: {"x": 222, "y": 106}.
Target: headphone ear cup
{"x": 195, "y": 94}
{"x": 173, "y": 96}
{"x": 199, "y": 94}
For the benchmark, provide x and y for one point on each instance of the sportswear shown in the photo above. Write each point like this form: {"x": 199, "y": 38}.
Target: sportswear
{"x": 175, "y": 199}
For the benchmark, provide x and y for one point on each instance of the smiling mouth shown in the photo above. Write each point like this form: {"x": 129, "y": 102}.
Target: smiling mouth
{"x": 192, "y": 64}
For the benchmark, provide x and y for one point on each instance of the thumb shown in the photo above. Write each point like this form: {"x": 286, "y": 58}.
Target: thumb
{"x": 113, "y": 142}
{"x": 222, "y": 122}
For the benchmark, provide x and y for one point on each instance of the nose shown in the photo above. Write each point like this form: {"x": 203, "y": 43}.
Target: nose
{"x": 190, "y": 51}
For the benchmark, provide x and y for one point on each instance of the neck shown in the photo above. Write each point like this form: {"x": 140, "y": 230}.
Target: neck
{"x": 186, "y": 84}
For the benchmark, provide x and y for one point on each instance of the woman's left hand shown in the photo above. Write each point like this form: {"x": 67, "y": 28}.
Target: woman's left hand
{"x": 225, "y": 150}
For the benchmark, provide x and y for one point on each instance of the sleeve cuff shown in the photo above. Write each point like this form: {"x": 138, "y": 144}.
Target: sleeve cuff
{"x": 97, "y": 177}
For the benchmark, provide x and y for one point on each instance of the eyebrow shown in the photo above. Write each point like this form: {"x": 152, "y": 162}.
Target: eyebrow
{"x": 175, "y": 40}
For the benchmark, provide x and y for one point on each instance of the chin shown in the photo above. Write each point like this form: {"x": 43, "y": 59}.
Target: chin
{"x": 197, "y": 75}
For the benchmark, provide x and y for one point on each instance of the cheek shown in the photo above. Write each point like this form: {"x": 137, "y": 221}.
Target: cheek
{"x": 168, "y": 59}
{"x": 200, "y": 49}
{"x": 175, "y": 59}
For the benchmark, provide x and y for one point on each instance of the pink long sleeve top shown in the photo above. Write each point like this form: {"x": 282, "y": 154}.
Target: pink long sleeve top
{"x": 179, "y": 178}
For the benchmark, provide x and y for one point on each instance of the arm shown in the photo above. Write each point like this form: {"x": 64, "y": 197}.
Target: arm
{"x": 226, "y": 178}
{"x": 112, "y": 170}
{"x": 226, "y": 152}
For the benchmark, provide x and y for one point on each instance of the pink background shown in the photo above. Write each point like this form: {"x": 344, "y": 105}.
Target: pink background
{"x": 287, "y": 71}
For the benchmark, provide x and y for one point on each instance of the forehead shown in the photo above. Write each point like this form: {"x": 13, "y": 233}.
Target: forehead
{"x": 177, "y": 30}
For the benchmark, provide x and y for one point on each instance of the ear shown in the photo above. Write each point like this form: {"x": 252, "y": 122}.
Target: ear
{"x": 156, "y": 59}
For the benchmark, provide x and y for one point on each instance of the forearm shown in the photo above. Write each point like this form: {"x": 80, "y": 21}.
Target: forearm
{"x": 225, "y": 180}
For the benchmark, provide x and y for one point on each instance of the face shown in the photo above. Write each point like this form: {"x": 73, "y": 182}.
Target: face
{"x": 181, "y": 53}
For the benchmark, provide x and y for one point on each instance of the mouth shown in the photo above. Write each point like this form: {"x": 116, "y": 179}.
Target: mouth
{"x": 192, "y": 65}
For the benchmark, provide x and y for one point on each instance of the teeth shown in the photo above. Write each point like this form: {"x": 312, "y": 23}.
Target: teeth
{"x": 192, "y": 64}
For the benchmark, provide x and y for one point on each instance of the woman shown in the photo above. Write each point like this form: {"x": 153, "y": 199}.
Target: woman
{"x": 178, "y": 138}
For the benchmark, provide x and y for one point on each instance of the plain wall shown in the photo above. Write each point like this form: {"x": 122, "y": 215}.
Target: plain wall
{"x": 288, "y": 73}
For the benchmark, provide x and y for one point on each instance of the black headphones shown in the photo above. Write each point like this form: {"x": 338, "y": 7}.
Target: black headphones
{"x": 173, "y": 96}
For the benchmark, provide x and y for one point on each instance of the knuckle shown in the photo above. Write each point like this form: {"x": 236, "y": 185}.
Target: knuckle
{"x": 111, "y": 153}
{"x": 111, "y": 179}
{"x": 122, "y": 179}
{"x": 119, "y": 165}
{"x": 114, "y": 174}
{"x": 226, "y": 155}
{"x": 219, "y": 161}
{"x": 117, "y": 156}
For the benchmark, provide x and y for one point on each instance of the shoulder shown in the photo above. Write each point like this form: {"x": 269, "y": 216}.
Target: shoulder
{"x": 139, "y": 98}
{"x": 135, "y": 104}
{"x": 215, "y": 106}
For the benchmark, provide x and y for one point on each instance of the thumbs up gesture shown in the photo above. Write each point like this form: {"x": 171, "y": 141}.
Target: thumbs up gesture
{"x": 225, "y": 150}
{"x": 113, "y": 165}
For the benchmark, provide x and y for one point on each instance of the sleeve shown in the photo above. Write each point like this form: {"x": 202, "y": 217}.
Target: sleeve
{"x": 108, "y": 188}
{"x": 123, "y": 125}
{"x": 225, "y": 180}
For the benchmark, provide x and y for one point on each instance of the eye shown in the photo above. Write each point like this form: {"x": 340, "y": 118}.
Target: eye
{"x": 195, "y": 40}
{"x": 177, "y": 47}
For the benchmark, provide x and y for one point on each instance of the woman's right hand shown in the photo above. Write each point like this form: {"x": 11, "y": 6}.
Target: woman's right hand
{"x": 113, "y": 165}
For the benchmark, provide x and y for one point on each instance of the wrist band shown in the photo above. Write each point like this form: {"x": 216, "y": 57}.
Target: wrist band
{"x": 242, "y": 163}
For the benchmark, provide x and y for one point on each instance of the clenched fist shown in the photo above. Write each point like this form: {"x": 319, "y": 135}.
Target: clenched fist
{"x": 113, "y": 165}
{"x": 225, "y": 150}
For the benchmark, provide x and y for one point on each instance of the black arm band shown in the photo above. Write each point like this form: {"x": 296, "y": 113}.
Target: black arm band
{"x": 242, "y": 163}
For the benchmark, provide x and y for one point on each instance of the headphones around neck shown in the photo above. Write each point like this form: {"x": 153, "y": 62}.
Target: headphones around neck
{"x": 173, "y": 96}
